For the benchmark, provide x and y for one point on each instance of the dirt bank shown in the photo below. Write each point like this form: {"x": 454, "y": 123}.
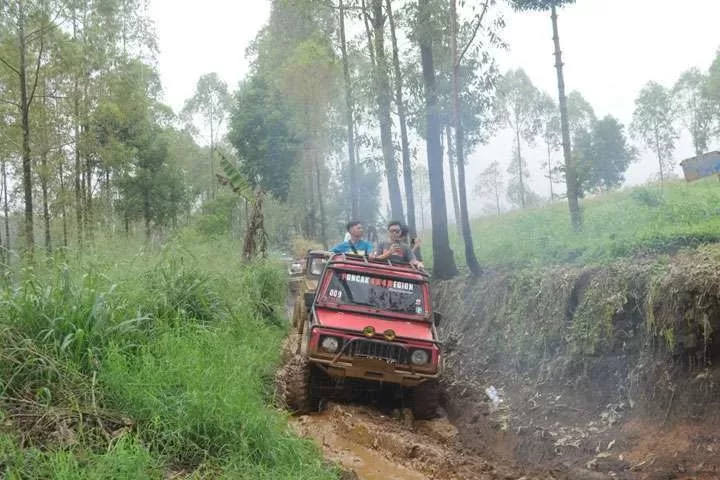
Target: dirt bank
{"x": 611, "y": 369}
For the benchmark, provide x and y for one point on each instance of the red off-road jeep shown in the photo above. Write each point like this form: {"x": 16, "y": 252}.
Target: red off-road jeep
{"x": 369, "y": 323}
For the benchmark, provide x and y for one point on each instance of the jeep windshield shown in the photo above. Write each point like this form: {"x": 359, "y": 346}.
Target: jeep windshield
{"x": 392, "y": 295}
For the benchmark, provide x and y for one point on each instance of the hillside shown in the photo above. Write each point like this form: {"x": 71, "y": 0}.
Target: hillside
{"x": 632, "y": 221}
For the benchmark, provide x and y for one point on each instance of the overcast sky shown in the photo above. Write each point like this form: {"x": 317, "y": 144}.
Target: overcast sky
{"x": 611, "y": 48}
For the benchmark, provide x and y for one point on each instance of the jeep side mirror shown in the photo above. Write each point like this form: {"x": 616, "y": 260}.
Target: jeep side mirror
{"x": 309, "y": 298}
{"x": 437, "y": 318}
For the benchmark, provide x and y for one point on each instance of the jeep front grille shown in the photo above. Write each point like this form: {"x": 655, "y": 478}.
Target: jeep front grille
{"x": 376, "y": 349}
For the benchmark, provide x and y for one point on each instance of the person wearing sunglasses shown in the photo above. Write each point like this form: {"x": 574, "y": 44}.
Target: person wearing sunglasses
{"x": 395, "y": 249}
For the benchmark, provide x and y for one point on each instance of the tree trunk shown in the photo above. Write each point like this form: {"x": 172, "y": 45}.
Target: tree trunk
{"x": 659, "y": 154}
{"x": 63, "y": 207}
{"x": 323, "y": 233}
{"x": 443, "y": 258}
{"x": 354, "y": 196}
{"x": 147, "y": 215}
{"x": 213, "y": 181}
{"x": 520, "y": 167}
{"x": 570, "y": 173}
{"x": 6, "y": 211}
{"x": 382, "y": 90}
{"x": 550, "y": 178}
{"x": 404, "y": 143}
{"x": 453, "y": 183}
{"x": 3, "y": 250}
{"x": 421, "y": 203}
{"x": 497, "y": 196}
{"x": 25, "y": 123}
{"x": 464, "y": 219}
{"x": 46, "y": 209}
{"x": 44, "y": 173}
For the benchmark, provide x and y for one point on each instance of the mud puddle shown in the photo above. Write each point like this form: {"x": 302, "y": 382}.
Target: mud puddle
{"x": 376, "y": 446}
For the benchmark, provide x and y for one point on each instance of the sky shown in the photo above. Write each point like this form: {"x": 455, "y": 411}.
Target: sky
{"x": 611, "y": 48}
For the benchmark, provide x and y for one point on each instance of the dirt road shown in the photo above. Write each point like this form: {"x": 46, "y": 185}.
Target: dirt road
{"x": 372, "y": 445}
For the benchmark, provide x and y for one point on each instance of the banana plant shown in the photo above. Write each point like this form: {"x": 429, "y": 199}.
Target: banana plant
{"x": 255, "y": 236}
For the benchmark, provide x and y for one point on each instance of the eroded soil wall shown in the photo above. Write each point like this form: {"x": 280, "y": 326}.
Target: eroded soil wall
{"x": 578, "y": 353}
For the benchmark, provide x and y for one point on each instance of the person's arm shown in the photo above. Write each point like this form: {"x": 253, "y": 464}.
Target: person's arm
{"x": 380, "y": 253}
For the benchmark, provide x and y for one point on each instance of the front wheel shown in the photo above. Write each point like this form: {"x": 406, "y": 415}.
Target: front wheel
{"x": 294, "y": 386}
{"x": 426, "y": 400}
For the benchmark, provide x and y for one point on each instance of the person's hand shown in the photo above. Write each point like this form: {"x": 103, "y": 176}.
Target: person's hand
{"x": 417, "y": 245}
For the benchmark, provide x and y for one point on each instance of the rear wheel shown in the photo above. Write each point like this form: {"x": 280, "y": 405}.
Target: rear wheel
{"x": 426, "y": 400}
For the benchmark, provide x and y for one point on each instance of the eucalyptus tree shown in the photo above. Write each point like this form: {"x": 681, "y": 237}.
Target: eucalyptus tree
{"x": 211, "y": 101}
{"x": 571, "y": 182}
{"x": 654, "y": 123}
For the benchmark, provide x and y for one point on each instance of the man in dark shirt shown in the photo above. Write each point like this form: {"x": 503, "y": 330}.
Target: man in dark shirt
{"x": 394, "y": 249}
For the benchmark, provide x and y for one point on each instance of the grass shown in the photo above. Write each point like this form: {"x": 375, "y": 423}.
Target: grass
{"x": 132, "y": 363}
{"x": 629, "y": 222}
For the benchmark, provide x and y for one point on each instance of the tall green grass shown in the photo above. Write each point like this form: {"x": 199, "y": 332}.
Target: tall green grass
{"x": 630, "y": 222}
{"x": 153, "y": 361}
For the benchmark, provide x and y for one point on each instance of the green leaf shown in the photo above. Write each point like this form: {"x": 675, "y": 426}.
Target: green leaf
{"x": 238, "y": 183}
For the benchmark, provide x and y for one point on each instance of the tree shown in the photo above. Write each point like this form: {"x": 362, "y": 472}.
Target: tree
{"x": 518, "y": 191}
{"x": 457, "y": 57}
{"x": 570, "y": 172}
{"x": 692, "y": 97}
{"x": 255, "y": 235}
{"x": 354, "y": 194}
{"x": 422, "y": 184}
{"x": 490, "y": 182}
{"x": 262, "y": 137}
{"x": 402, "y": 119}
{"x": 26, "y": 27}
{"x": 443, "y": 259}
{"x": 713, "y": 92}
{"x": 549, "y": 116}
{"x": 611, "y": 153}
{"x": 153, "y": 190}
{"x": 518, "y": 108}
{"x": 581, "y": 115}
{"x": 654, "y": 124}
{"x": 603, "y": 155}
{"x": 377, "y": 19}
{"x": 211, "y": 101}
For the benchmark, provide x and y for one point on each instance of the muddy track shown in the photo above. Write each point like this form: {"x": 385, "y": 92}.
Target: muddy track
{"x": 371, "y": 445}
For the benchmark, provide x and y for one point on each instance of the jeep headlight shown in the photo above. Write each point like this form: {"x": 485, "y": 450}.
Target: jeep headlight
{"x": 419, "y": 357}
{"x": 330, "y": 344}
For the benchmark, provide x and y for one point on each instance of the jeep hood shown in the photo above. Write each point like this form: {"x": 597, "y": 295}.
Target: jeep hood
{"x": 357, "y": 321}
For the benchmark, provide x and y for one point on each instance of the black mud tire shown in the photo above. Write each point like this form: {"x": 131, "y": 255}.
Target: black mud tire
{"x": 425, "y": 400}
{"x": 293, "y": 386}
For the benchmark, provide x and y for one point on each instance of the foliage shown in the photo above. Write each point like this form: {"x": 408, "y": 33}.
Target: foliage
{"x": 518, "y": 105}
{"x": 603, "y": 156}
{"x": 153, "y": 189}
{"x": 211, "y": 100}
{"x": 581, "y": 114}
{"x": 262, "y": 136}
{"x": 368, "y": 185}
{"x": 694, "y": 107}
{"x": 653, "y": 123}
{"x": 539, "y": 4}
{"x": 518, "y": 108}
{"x": 490, "y": 183}
{"x": 147, "y": 340}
